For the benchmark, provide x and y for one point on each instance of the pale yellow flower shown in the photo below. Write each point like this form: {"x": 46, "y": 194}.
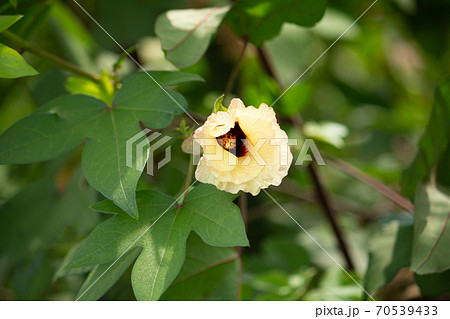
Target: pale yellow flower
{"x": 232, "y": 165}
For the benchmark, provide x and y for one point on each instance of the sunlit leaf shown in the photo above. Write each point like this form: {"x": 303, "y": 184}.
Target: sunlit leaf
{"x": 12, "y": 65}
{"x": 103, "y": 91}
{"x": 185, "y": 34}
{"x": 7, "y": 21}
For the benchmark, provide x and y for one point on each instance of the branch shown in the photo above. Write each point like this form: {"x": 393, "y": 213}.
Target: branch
{"x": 321, "y": 195}
{"x": 323, "y": 200}
{"x": 381, "y": 188}
{"x": 23, "y": 44}
{"x": 340, "y": 204}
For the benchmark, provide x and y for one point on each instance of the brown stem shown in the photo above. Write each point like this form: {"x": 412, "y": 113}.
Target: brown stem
{"x": 330, "y": 213}
{"x": 319, "y": 189}
{"x": 366, "y": 214}
{"x": 381, "y": 188}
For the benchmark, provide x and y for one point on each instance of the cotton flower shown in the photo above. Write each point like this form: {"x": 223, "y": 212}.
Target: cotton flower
{"x": 244, "y": 149}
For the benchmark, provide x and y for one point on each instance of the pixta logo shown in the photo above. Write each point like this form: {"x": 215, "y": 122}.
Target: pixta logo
{"x": 141, "y": 148}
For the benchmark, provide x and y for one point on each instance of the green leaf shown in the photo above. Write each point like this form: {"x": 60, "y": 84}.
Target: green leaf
{"x": 7, "y": 21}
{"x": 66, "y": 121}
{"x": 284, "y": 253}
{"x": 389, "y": 251}
{"x": 103, "y": 276}
{"x": 218, "y": 106}
{"x": 430, "y": 252}
{"x": 209, "y": 273}
{"x": 335, "y": 285}
{"x": 32, "y": 221}
{"x": 72, "y": 36}
{"x": 433, "y": 285}
{"x": 443, "y": 170}
{"x": 12, "y": 65}
{"x": 162, "y": 231}
{"x": 185, "y": 34}
{"x": 108, "y": 207}
{"x": 261, "y": 20}
{"x": 433, "y": 143}
{"x": 63, "y": 271}
{"x": 103, "y": 91}
{"x": 26, "y": 228}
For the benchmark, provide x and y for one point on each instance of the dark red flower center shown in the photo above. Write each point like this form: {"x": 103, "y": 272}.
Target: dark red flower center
{"x": 233, "y": 141}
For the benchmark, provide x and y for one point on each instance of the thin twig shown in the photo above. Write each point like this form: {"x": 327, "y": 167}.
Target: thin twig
{"x": 341, "y": 204}
{"x": 23, "y": 44}
{"x": 378, "y": 186}
{"x": 325, "y": 203}
{"x": 319, "y": 189}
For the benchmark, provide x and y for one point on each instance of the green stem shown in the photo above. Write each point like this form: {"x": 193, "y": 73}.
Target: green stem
{"x": 187, "y": 182}
{"x": 243, "y": 205}
{"x": 23, "y": 44}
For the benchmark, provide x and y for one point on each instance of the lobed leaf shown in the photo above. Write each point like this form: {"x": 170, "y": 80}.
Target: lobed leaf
{"x": 102, "y": 277}
{"x": 66, "y": 121}
{"x": 162, "y": 231}
{"x": 209, "y": 273}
